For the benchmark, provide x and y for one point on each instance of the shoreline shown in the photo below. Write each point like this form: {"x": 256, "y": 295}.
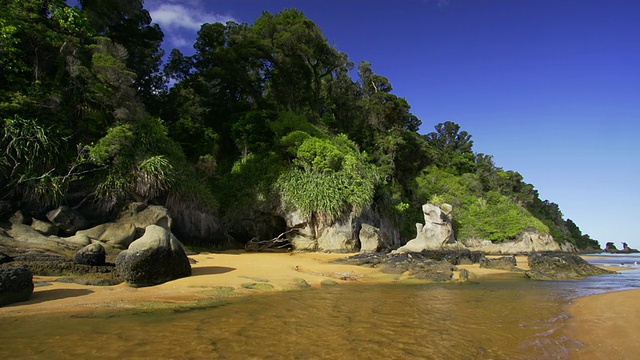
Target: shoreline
{"x": 600, "y": 326}
{"x": 215, "y": 277}
{"x": 605, "y": 325}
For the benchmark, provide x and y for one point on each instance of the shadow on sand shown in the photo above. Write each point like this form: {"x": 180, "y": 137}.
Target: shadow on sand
{"x": 211, "y": 270}
{"x": 53, "y": 294}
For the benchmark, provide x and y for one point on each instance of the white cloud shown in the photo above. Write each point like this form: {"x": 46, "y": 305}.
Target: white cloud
{"x": 181, "y": 20}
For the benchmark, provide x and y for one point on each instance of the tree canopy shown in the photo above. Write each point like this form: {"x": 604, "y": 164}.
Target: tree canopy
{"x": 261, "y": 114}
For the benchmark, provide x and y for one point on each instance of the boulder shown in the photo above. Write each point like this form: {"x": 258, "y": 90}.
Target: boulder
{"x": 44, "y": 227}
{"x": 370, "y": 239}
{"x": 16, "y": 284}
{"x": 92, "y": 254}
{"x": 118, "y": 235}
{"x": 141, "y": 216}
{"x": 502, "y": 263}
{"x": 337, "y": 238}
{"x": 67, "y": 219}
{"x": 556, "y": 266}
{"x": 77, "y": 240}
{"x": 18, "y": 218}
{"x": 153, "y": 259}
{"x": 436, "y": 232}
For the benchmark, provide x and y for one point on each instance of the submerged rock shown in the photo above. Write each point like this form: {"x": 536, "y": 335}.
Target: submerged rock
{"x": 502, "y": 263}
{"x": 557, "y": 266}
{"x": 16, "y": 284}
{"x": 431, "y": 265}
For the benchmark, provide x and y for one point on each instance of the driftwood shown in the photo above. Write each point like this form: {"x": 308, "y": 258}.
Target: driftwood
{"x": 277, "y": 242}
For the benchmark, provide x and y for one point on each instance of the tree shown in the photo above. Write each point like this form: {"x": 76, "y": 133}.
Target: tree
{"x": 300, "y": 59}
{"x": 453, "y": 148}
{"x": 127, "y": 23}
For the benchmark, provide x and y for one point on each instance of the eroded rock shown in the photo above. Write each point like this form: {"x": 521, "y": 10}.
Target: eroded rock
{"x": 155, "y": 258}
{"x": 16, "y": 285}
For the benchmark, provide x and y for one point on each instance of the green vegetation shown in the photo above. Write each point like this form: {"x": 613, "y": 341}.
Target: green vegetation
{"x": 262, "y": 115}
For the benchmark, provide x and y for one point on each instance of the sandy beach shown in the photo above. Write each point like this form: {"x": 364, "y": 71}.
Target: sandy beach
{"x": 605, "y": 324}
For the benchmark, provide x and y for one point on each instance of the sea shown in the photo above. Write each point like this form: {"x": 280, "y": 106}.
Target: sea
{"x": 495, "y": 317}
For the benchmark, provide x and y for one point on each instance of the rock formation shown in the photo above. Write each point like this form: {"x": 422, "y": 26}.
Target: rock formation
{"x": 317, "y": 233}
{"x": 67, "y": 219}
{"x": 436, "y": 233}
{"x": 92, "y": 254}
{"x": 557, "y": 266}
{"x": 155, "y": 258}
{"x": 16, "y": 284}
{"x": 526, "y": 243}
{"x": 502, "y": 263}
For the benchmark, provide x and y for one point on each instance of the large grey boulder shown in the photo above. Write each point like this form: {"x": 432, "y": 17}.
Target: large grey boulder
{"x": 370, "y": 239}
{"x": 16, "y": 284}
{"x": 92, "y": 254}
{"x": 44, "y": 227}
{"x": 67, "y": 219}
{"x": 153, "y": 259}
{"x": 338, "y": 238}
{"x": 118, "y": 235}
{"x": 320, "y": 233}
{"x": 436, "y": 233}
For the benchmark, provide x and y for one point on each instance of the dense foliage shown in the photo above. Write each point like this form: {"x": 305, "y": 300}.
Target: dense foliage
{"x": 261, "y": 115}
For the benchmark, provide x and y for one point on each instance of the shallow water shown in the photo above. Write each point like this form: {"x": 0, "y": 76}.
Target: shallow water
{"x": 501, "y": 317}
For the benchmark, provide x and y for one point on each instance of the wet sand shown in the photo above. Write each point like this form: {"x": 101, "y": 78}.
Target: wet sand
{"x": 224, "y": 274}
{"x": 607, "y": 325}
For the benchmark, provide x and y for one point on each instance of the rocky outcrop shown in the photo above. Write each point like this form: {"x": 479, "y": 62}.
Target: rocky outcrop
{"x": 317, "y": 233}
{"x": 436, "y": 232}
{"x": 370, "y": 239}
{"x": 67, "y": 220}
{"x": 502, "y": 263}
{"x": 57, "y": 265}
{"x": 155, "y": 258}
{"x": 611, "y": 248}
{"x": 92, "y": 254}
{"x": 557, "y": 266}
{"x": 430, "y": 265}
{"x": 16, "y": 285}
{"x": 526, "y": 243}
{"x": 44, "y": 227}
{"x": 140, "y": 215}
{"x": 198, "y": 227}
{"x": 117, "y": 235}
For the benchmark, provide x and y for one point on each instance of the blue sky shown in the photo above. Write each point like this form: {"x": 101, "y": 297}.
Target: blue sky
{"x": 551, "y": 88}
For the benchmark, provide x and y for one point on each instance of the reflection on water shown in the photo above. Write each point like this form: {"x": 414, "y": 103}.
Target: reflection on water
{"x": 502, "y": 317}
